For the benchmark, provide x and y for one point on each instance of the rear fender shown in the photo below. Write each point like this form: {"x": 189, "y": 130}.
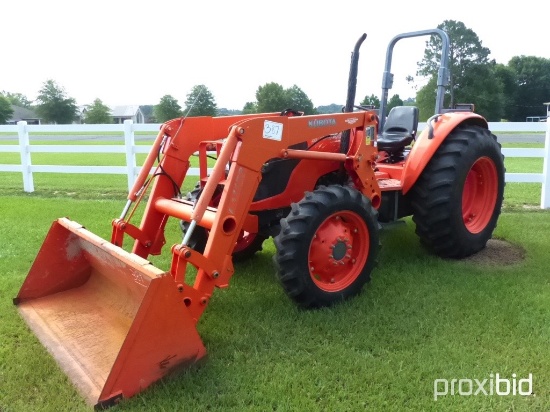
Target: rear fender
{"x": 424, "y": 147}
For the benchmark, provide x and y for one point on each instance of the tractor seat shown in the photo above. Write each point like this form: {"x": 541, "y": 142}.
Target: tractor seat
{"x": 399, "y": 129}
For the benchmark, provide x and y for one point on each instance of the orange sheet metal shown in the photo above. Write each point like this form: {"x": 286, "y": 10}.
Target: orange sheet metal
{"x": 113, "y": 322}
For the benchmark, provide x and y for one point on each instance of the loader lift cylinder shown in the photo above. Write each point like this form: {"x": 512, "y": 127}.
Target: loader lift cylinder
{"x": 212, "y": 183}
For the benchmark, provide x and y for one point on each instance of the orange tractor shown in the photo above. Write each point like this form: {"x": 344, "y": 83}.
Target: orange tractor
{"x": 319, "y": 185}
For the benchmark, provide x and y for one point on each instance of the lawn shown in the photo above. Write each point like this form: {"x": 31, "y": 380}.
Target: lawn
{"x": 420, "y": 319}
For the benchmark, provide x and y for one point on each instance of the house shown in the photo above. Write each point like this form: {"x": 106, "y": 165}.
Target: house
{"x": 121, "y": 113}
{"x": 22, "y": 113}
{"x": 81, "y": 113}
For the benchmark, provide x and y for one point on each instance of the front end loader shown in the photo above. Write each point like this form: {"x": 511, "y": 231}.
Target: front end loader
{"x": 319, "y": 185}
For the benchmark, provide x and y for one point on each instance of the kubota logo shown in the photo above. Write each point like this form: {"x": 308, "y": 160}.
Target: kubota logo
{"x": 321, "y": 122}
{"x": 351, "y": 120}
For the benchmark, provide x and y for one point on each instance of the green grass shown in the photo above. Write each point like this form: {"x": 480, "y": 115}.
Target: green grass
{"x": 421, "y": 318}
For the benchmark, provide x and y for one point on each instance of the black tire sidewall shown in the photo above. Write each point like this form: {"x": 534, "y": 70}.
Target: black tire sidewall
{"x": 316, "y": 296}
{"x": 436, "y": 197}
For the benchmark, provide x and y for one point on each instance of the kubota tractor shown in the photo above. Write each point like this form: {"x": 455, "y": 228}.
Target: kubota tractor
{"x": 319, "y": 185}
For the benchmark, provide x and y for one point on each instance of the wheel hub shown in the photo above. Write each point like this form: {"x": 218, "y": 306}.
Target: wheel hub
{"x": 479, "y": 195}
{"x": 338, "y": 251}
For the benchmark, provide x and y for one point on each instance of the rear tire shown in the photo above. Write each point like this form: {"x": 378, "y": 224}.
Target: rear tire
{"x": 327, "y": 246}
{"x": 458, "y": 197}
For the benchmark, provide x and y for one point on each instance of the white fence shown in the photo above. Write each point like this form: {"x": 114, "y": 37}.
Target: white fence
{"x": 130, "y": 149}
{"x": 126, "y": 130}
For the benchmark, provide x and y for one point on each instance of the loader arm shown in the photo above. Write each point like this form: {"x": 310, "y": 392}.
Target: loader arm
{"x": 249, "y": 144}
{"x": 176, "y": 142}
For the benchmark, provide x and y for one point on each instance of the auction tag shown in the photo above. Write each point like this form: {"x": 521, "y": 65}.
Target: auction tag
{"x": 273, "y": 130}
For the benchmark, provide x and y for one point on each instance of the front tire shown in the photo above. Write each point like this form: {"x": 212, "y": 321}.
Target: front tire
{"x": 327, "y": 246}
{"x": 457, "y": 199}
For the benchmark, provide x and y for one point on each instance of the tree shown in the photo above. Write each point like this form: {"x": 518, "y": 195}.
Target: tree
{"x": 271, "y": 97}
{"x": 331, "y": 108}
{"x": 507, "y": 78}
{"x": 6, "y": 110}
{"x": 298, "y": 100}
{"x": 468, "y": 82}
{"x": 374, "y": 101}
{"x": 167, "y": 109}
{"x": 200, "y": 102}
{"x": 485, "y": 90}
{"x": 228, "y": 112}
{"x": 394, "y": 101}
{"x": 98, "y": 113}
{"x": 532, "y": 85}
{"x": 18, "y": 99}
{"x": 54, "y": 105}
{"x": 147, "y": 110}
{"x": 371, "y": 100}
{"x": 425, "y": 99}
{"x": 466, "y": 50}
{"x": 250, "y": 108}
{"x": 410, "y": 80}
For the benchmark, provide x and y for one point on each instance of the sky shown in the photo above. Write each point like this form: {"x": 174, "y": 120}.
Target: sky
{"x": 134, "y": 52}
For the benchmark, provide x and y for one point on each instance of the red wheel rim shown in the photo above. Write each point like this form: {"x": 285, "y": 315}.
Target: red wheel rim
{"x": 479, "y": 196}
{"x": 244, "y": 240}
{"x": 338, "y": 251}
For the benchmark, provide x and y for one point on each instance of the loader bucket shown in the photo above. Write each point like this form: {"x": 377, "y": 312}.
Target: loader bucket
{"x": 113, "y": 322}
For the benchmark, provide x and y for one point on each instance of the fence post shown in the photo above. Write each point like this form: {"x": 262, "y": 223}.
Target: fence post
{"x": 129, "y": 142}
{"x": 545, "y": 192}
{"x": 24, "y": 151}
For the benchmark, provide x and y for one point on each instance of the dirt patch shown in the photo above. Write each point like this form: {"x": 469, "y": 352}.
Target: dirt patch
{"x": 498, "y": 252}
